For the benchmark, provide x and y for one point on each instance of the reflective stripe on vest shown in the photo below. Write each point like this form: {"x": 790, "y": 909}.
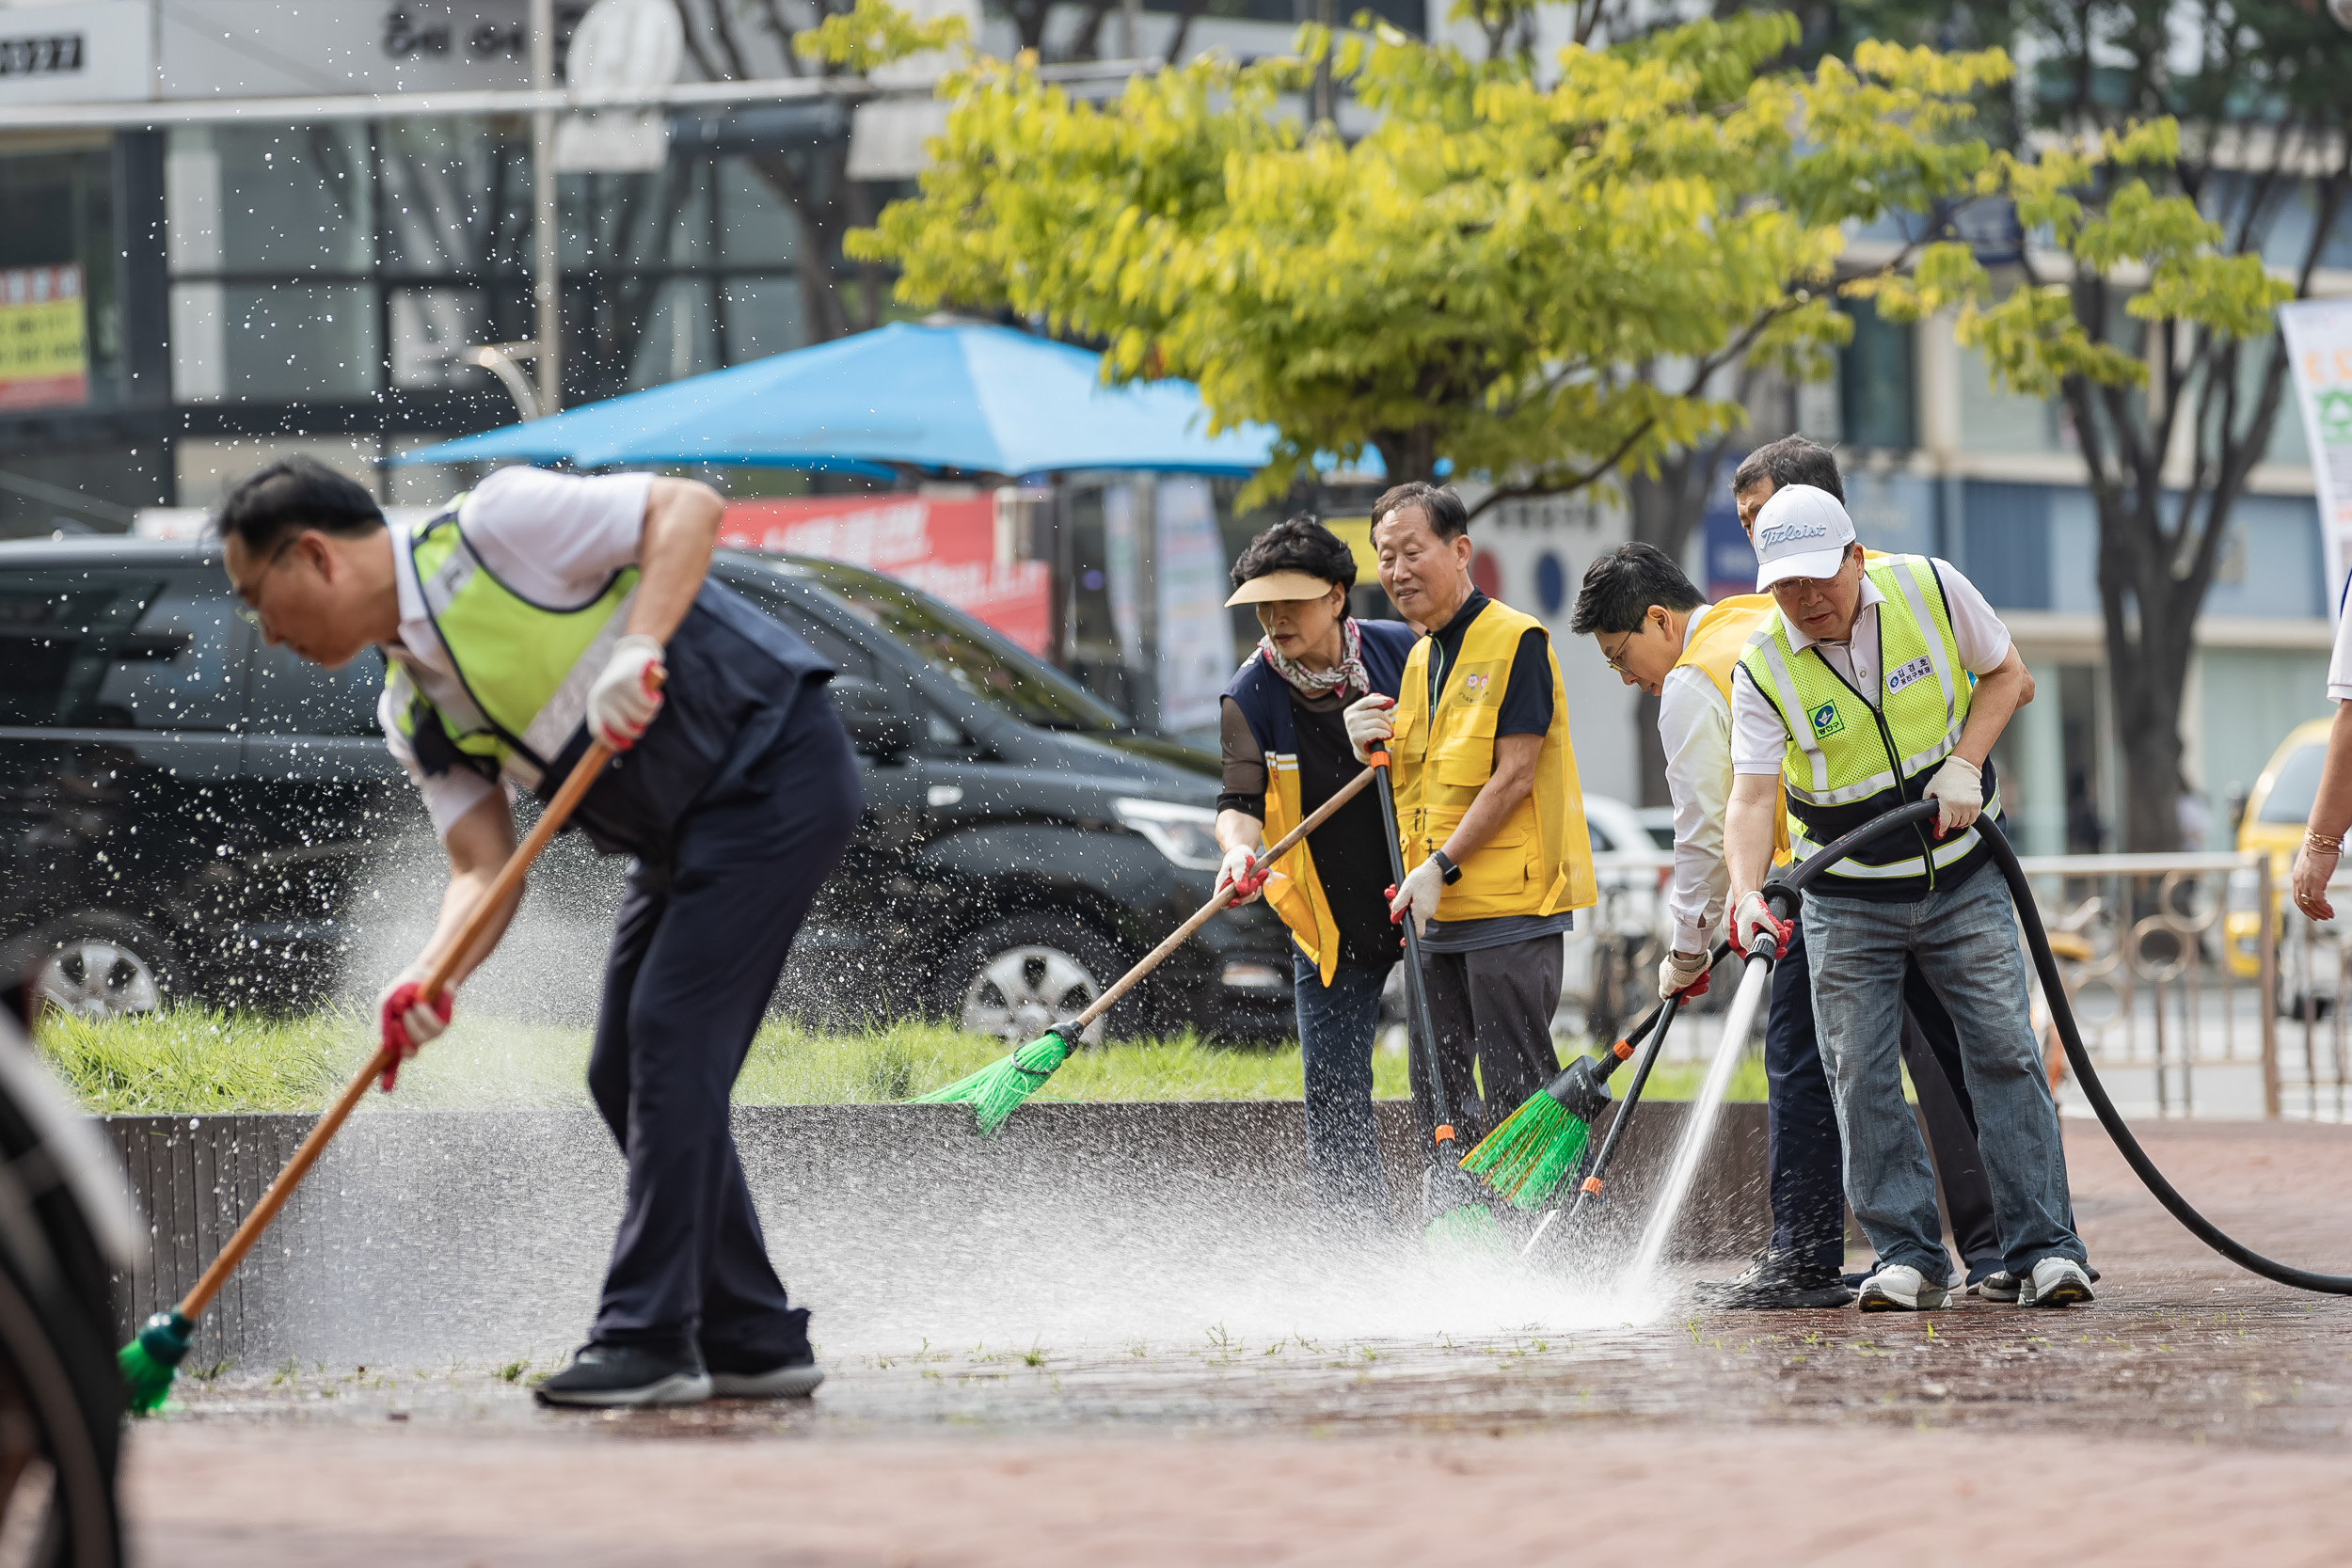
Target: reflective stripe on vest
{"x": 1714, "y": 650}
{"x": 1540, "y": 860}
{"x": 1847, "y": 760}
{"x": 523, "y": 669}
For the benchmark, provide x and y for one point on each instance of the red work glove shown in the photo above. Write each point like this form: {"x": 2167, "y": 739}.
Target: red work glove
{"x": 1240, "y": 879}
{"x": 1753, "y": 917}
{"x": 405, "y": 1021}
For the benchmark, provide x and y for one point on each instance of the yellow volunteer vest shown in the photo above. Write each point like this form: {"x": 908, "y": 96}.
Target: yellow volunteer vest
{"x": 1714, "y": 650}
{"x": 1540, "y": 862}
{"x": 1293, "y": 888}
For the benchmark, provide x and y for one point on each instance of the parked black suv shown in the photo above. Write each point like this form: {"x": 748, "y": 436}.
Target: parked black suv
{"x": 187, "y": 810}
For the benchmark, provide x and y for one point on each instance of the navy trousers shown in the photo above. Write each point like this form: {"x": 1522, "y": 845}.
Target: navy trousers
{"x": 1807, "y": 1159}
{"x": 1337, "y": 1027}
{"x": 699, "y": 947}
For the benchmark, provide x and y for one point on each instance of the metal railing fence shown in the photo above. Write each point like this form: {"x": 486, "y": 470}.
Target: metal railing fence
{"x": 2166, "y": 965}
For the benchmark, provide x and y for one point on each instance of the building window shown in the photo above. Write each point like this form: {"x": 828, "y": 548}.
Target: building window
{"x": 1877, "y": 389}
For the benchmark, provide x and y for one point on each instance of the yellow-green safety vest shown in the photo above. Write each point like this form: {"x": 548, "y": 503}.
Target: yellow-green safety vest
{"x": 1847, "y": 761}
{"x": 523, "y": 669}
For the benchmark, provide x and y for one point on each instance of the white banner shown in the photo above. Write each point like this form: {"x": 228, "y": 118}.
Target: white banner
{"x": 1196, "y": 633}
{"x": 2319, "y": 347}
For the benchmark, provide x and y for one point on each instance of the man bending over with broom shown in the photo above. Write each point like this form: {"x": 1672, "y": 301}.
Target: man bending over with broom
{"x": 521, "y": 621}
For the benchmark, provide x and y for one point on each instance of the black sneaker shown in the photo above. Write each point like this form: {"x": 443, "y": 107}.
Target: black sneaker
{"x": 630, "y": 1376}
{"x": 1773, "y": 1280}
{"x": 795, "y": 1377}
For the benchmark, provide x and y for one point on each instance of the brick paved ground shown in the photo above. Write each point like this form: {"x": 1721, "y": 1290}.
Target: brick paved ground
{"x": 2194, "y": 1415}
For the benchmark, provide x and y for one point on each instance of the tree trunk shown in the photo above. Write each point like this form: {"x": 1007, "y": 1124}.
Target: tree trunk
{"x": 2150, "y": 628}
{"x": 1409, "y": 455}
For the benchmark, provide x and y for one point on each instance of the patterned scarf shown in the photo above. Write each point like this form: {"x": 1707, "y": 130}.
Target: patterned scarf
{"x": 1346, "y": 677}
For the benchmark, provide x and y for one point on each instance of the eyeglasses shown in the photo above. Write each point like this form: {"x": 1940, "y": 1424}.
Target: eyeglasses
{"x": 250, "y": 590}
{"x": 1622, "y": 646}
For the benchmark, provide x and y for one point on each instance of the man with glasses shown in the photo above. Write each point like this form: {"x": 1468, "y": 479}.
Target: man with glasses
{"x": 1855, "y": 697}
{"x": 524, "y": 619}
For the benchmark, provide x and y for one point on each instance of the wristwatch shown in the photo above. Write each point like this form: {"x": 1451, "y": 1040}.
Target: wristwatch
{"x": 1446, "y": 867}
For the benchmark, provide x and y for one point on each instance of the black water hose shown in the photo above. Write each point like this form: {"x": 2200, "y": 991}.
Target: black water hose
{"x": 1792, "y": 887}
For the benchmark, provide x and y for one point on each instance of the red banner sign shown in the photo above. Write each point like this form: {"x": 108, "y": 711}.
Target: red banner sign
{"x": 946, "y": 548}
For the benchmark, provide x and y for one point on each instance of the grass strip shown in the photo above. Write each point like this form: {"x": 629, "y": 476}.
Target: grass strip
{"x": 199, "y": 1061}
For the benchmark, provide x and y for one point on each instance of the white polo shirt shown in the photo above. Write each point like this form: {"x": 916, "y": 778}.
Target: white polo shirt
{"x": 1695, "y": 725}
{"x": 555, "y": 539}
{"x": 1759, "y": 738}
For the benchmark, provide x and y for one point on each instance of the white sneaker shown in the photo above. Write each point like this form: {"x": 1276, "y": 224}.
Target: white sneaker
{"x": 2055, "y": 1282}
{"x": 1900, "y": 1288}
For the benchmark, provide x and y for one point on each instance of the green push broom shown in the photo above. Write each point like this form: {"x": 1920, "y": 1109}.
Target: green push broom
{"x": 1535, "y": 1147}
{"x": 150, "y": 1361}
{"x": 1001, "y": 1087}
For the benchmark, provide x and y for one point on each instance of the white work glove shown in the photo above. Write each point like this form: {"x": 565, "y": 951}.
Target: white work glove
{"x": 1753, "y": 918}
{"x": 1423, "y": 886}
{"x": 1240, "y": 873}
{"x": 1681, "y": 973}
{"x": 1959, "y": 791}
{"x": 1367, "y": 719}
{"x": 404, "y": 1020}
{"x": 628, "y": 694}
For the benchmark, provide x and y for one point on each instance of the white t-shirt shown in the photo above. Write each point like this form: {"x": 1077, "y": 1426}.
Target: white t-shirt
{"x": 1759, "y": 741}
{"x": 1694, "y": 724}
{"x": 555, "y": 539}
{"x": 2340, "y": 663}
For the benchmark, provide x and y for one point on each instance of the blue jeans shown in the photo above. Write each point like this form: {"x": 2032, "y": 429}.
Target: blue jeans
{"x": 1806, "y": 1163}
{"x": 1336, "y": 1027}
{"x": 1964, "y": 941}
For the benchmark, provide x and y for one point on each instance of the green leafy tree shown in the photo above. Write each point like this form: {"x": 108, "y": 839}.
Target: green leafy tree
{"x": 1534, "y": 278}
{"x": 2194, "y": 164}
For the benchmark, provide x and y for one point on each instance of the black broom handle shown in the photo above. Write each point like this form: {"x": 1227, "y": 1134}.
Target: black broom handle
{"x": 1416, "y": 999}
{"x": 1590, "y": 1187}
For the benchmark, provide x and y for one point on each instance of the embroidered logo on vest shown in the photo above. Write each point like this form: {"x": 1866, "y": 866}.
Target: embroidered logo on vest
{"x": 1825, "y": 721}
{"x": 1918, "y": 669}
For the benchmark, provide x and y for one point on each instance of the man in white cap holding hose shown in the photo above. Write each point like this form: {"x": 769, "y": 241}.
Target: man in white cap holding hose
{"x": 522, "y": 620}
{"x": 1856, "y": 698}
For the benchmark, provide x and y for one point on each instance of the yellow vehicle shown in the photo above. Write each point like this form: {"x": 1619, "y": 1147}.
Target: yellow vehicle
{"x": 2276, "y": 809}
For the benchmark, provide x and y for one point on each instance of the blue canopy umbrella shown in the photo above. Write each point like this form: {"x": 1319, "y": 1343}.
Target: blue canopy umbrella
{"x": 960, "y": 396}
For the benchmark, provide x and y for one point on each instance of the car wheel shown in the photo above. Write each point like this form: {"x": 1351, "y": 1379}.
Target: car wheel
{"x": 1018, "y": 977}
{"x": 97, "y": 964}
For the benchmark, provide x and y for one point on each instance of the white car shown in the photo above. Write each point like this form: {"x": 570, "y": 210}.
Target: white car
{"x": 1615, "y": 945}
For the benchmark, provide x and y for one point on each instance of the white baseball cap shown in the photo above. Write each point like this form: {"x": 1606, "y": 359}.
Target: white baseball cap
{"x": 1802, "y": 531}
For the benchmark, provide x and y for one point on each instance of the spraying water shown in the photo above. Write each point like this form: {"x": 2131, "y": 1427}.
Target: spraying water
{"x": 1699, "y": 1130}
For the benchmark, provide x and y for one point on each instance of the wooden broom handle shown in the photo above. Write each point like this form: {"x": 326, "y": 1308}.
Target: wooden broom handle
{"x": 584, "y": 774}
{"x": 1201, "y": 916}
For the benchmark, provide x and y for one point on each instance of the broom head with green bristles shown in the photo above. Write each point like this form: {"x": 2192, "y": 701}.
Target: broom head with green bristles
{"x": 1537, "y": 1146}
{"x": 150, "y": 1361}
{"x": 1000, "y": 1089}
{"x": 1464, "y": 1226}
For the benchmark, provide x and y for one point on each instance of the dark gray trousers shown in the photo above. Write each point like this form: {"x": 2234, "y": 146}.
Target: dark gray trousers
{"x": 1492, "y": 1009}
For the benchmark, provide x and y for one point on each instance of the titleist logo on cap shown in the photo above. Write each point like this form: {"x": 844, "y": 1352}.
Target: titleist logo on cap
{"x": 1785, "y": 533}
